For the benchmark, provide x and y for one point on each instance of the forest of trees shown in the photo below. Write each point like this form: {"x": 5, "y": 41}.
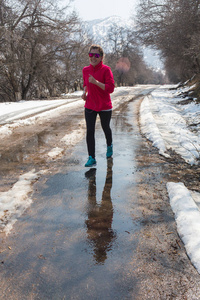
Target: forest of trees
{"x": 173, "y": 27}
{"x": 126, "y": 58}
{"x": 44, "y": 47}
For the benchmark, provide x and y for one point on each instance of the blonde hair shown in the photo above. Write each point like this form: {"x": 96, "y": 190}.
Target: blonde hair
{"x": 94, "y": 46}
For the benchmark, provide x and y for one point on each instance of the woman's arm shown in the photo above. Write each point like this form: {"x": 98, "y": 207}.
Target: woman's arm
{"x": 84, "y": 95}
{"x": 109, "y": 84}
{"x": 96, "y": 82}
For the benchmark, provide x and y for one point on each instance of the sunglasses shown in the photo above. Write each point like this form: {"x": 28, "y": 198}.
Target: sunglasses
{"x": 97, "y": 55}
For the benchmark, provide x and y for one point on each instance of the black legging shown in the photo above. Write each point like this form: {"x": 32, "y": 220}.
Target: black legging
{"x": 90, "y": 117}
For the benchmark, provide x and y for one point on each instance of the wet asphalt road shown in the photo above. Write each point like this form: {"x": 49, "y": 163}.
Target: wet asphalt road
{"x": 79, "y": 239}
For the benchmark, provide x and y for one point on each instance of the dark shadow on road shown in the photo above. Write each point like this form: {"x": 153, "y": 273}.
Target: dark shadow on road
{"x": 100, "y": 216}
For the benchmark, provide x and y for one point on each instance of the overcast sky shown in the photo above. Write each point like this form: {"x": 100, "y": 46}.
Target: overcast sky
{"x": 98, "y": 9}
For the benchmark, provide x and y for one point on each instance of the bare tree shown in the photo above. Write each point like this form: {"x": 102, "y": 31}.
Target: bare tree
{"x": 172, "y": 26}
{"x": 125, "y": 57}
{"x": 34, "y": 34}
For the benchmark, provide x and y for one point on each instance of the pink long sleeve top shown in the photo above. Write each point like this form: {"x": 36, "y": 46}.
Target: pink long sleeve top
{"x": 98, "y": 99}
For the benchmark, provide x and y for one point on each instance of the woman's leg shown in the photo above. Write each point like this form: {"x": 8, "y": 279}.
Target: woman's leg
{"x": 105, "y": 117}
{"x": 90, "y": 117}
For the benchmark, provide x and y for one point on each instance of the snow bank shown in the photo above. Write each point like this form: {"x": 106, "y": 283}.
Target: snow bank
{"x": 168, "y": 124}
{"x": 15, "y": 201}
{"x": 149, "y": 127}
{"x": 187, "y": 216}
{"x": 53, "y": 110}
{"x": 70, "y": 139}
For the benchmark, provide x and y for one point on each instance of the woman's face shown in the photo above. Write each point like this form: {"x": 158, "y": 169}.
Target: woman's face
{"x": 95, "y": 60}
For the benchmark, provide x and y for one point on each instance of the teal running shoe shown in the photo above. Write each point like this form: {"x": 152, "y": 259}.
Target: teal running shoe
{"x": 109, "y": 152}
{"x": 91, "y": 162}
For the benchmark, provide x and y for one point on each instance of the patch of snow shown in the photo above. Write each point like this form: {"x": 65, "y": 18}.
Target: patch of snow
{"x": 167, "y": 124}
{"x": 75, "y": 136}
{"x": 187, "y": 216}
{"x": 16, "y": 200}
{"x": 150, "y": 128}
{"x": 55, "y": 152}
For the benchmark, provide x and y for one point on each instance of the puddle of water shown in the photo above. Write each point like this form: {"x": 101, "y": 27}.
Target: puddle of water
{"x": 100, "y": 201}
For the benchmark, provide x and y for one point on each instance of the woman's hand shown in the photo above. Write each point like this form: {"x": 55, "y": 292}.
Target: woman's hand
{"x": 84, "y": 96}
{"x": 94, "y": 81}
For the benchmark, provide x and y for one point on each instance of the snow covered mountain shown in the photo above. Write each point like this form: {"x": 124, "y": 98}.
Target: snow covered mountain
{"x": 98, "y": 29}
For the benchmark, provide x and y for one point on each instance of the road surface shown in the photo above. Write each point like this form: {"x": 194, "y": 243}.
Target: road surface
{"x": 101, "y": 233}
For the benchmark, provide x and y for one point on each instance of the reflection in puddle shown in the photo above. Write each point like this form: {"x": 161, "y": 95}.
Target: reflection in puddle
{"x": 100, "y": 216}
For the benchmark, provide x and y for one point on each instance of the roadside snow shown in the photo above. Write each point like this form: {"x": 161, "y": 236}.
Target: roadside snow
{"x": 53, "y": 110}
{"x": 150, "y": 128}
{"x": 187, "y": 217}
{"x": 11, "y": 110}
{"x": 55, "y": 152}
{"x": 169, "y": 124}
{"x": 15, "y": 201}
